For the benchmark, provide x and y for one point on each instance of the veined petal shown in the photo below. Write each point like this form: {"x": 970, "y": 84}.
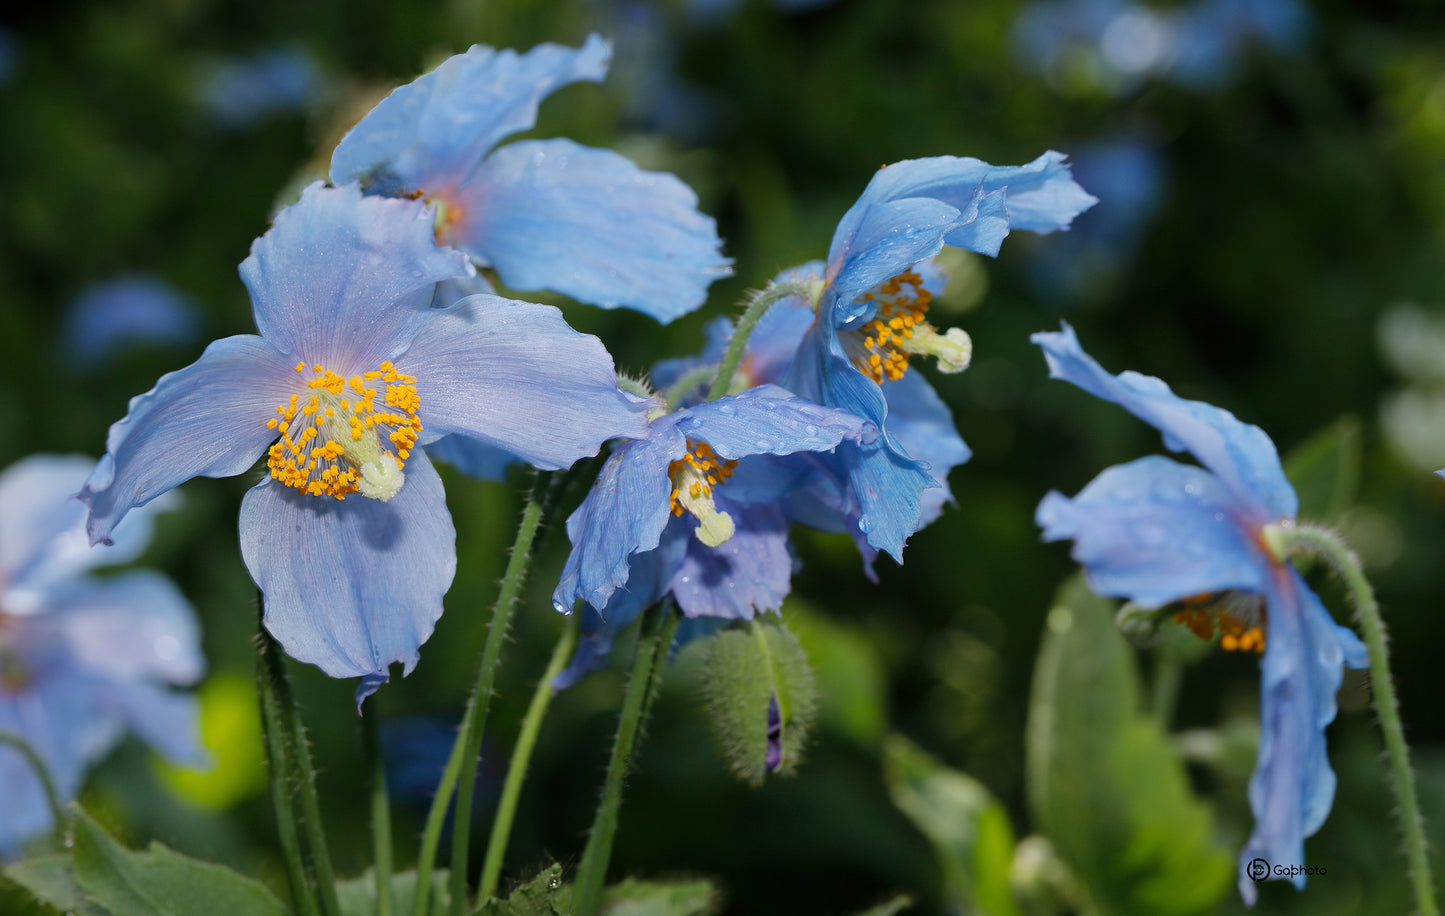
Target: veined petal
{"x": 1156, "y": 531}
{"x": 1241, "y": 454}
{"x": 429, "y": 134}
{"x": 891, "y": 236}
{"x": 551, "y": 214}
{"x": 1293, "y": 786}
{"x": 131, "y": 627}
{"x": 769, "y": 420}
{"x": 623, "y": 514}
{"x": 749, "y": 573}
{"x": 208, "y": 419}
{"x": 922, "y": 425}
{"x": 516, "y": 376}
{"x": 351, "y": 585}
{"x": 345, "y": 280}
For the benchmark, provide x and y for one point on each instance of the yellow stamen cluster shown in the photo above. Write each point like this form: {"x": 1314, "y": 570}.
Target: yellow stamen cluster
{"x": 710, "y": 471}
{"x": 334, "y": 441}
{"x": 902, "y": 306}
{"x": 1203, "y": 616}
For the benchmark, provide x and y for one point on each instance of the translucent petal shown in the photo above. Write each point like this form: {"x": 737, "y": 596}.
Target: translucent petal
{"x": 749, "y": 573}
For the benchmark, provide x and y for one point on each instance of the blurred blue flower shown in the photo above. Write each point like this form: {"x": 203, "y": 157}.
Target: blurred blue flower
{"x": 352, "y": 369}
{"x": 135, "y": 309}
{"x": 871, "y": 302}
{"x": 546, "y": 214}
{"x": 1159, "y": 532}
{"x": 242, "y": 91}
{"x": 1212, "y": 36}
{"x": 9, "y": 54}
{"x": 689, "y": 511}
{"x": 82, "y": 659}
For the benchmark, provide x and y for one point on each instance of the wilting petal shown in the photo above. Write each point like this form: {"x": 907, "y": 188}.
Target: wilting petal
{"x": 550, "y": 214}
{"x": 1241, "y": 454}
{"x": 514, "y": 375}
{"x": 429, "y": 134}
{"x": 1293, "y": 786}
{"x": 208, "y": 419}
{"x": 351, "y": 585}
{"x": 345, "y": 280}
{"x": 748, "y": 573}
{"x": 1156, "y": 531}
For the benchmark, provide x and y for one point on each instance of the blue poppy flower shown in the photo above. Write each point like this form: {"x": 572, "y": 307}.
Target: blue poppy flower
{"x": 1159, "y": 532}
{"x": 81, "y": 659}
{"x": 685, "y": 511}
{"x": 348, "y": 535}
{"x": 546, "y": 214}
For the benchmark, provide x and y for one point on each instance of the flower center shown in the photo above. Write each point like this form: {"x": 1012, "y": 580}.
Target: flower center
{"x": 1238, "y": 617}
{"x": 880, "y": 348}
{"x": 693, "y": 477}
{"x": 339, "y": 440}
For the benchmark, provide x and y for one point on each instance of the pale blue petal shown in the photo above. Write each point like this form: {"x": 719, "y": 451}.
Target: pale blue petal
{"x": 449, "y": 292}
{"x": 42, "y": 530}
{"x": 352, "y": 585}
{"x": 749, "y": 573}
{"x": 167, "y": 720}
{"x": 892, "y": 236}
{"x": 1293, "y": 786}
{"x": 1241, "y": 454}
{"x": 921, "y": 424}
{"x": 514, "y": 375}
{"x": 769, "y": 420}
{"x": 431, "y": 133}
{"x": 623, "y": 514}
{"x": 890, "y": 489}
{"x": 206, "y": 420}
{"x": 473, "y": 457}
{"x": 130, "y": 627}
{"x": 345, "y": 280}
{"x": 550, "y": 214}
{"x": 1156, "y": 531}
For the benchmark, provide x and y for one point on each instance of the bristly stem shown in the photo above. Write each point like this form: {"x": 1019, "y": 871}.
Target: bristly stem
{"x": 298, "y": 764}
{"x": 652, "y": 648}
{"x": 521, "y": 756}
{"x": 278, "y": 769}
{"x": 1327, "y": 545}
{"x": 699, "y": 375}
{"x": 380, "y": 807}
{"x": 52, "y": 798}
{"x": 759, "y": 303}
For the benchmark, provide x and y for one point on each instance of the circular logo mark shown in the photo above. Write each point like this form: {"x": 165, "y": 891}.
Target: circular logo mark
{"x": 1258, "y": 869}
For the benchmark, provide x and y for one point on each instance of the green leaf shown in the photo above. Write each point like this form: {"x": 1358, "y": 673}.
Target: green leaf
{"x": 51, "y": 879}
{"x": 541, "y": 896}
{"x": 746, "y": 670}
{"x": 357, "y": 896}
{"x": 631, "y": 897}
{"x": 1325, "y": 469}
{"x": 969, "y": 829}
{"x": 1105, "y": 784}
{"x": 160, "y": 881}
{"x": 850, "y": 677}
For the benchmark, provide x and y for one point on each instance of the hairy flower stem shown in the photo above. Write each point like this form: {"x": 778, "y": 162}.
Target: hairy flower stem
{"x": 52, "y": 798}
{"x": 468, "y": 744}
{"x": 285, "y": 775}
{"x": 759, "y": 303}
{"x": 688, "y": 381}
{"x": 380, "y": 808}
{"x": 1328, "y": 546}
{"x": 652, "y": 647}
{"x": 521, "y": 756}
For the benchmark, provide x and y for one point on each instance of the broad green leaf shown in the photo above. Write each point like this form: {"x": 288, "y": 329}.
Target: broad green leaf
{"x": 160, "y": 881}
{"x": 969, "y": 829}
{"x": 889, "y": 907}
{"x": 1105, "y": 784}
{"x": 631, "y": 897}
{"x": 746, "y": 670}
{"x": 358, "y": 895}
{"x": 544, "y": 895}
{"x": 52, "y": 880}
{"x": 1325, "y": 469}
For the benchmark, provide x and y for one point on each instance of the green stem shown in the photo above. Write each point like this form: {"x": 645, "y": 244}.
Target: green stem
{"x": 647, "y": 666}
{"x": 298, "y": 753}
{"x": 380, "y": 808}
{"x": 1328, "y": 545}
{"x": 1168, "y": 678}
{"x": 476, "y": 718}
{"x": 279, "y": 775}
{"x": 521, "y": 755}
{"x": 760, "y": 302}
{"x": 42, "y": 773}
{"x": 689, "y": 380}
